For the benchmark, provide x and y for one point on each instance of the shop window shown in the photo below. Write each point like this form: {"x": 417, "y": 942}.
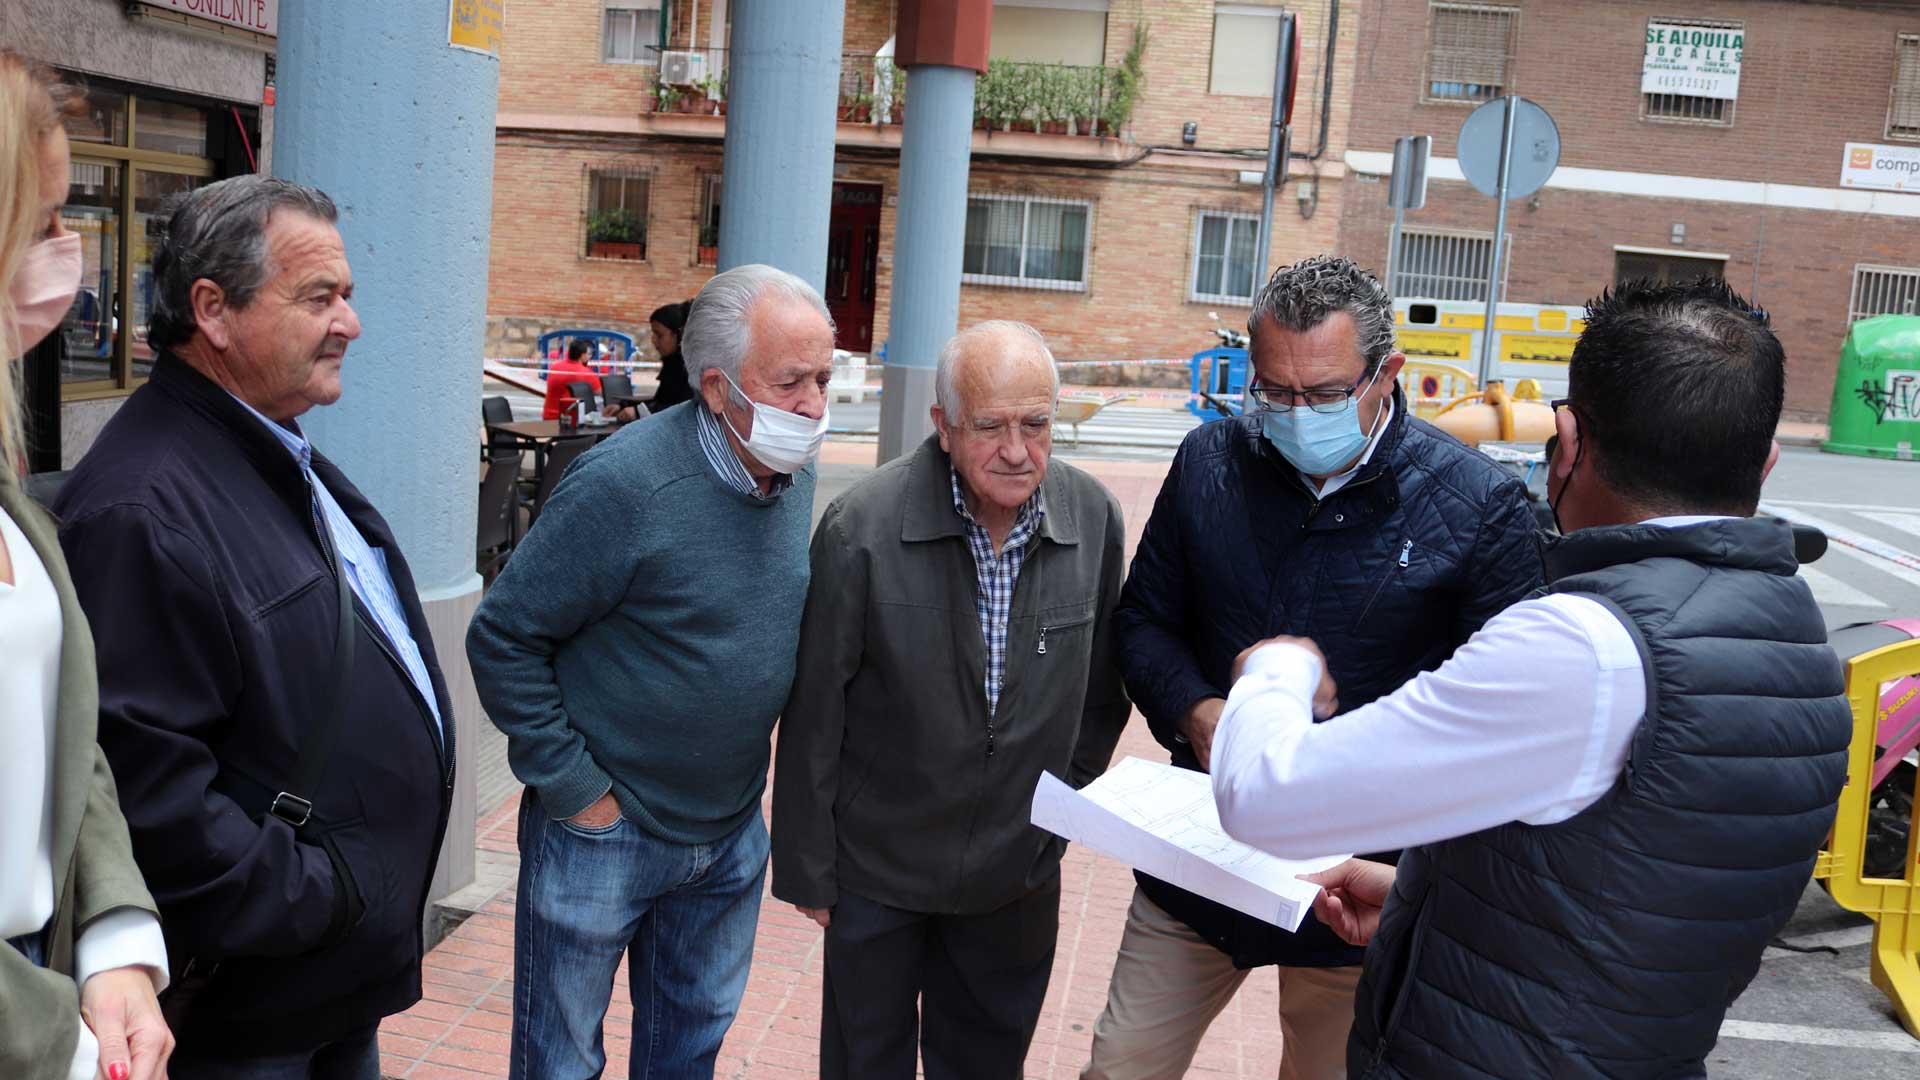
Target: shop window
{"x": 1666, "y": 267}
{"x": 1697, "y": 93}
{"x": 1470, "y": 51}
{"x": 1446, "y": 264}
{"x": 616, "y": 214}
{"x": 117, "y": 187}
{"x": 630, "y": 34}
{"x": 1225, "y": 266}
{"x": 1884, "y": 290}
{"x": 1903, "y": 112}
{"x": 1246, "y": 45}
{"x": 1035, "y": 243}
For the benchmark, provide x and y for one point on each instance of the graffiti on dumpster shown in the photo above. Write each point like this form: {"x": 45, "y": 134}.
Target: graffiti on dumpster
{"x": 1897, "y": 398}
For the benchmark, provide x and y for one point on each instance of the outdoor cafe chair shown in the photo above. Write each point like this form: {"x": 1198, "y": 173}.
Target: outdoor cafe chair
{"x": 559, "y": 456}
{"x": 499, "y": 511}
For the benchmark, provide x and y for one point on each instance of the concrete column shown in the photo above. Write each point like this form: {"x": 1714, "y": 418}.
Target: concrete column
{"x": 942, "y": 44}
{"x": 379, "y": 111}
{"x": 783, "y": 86}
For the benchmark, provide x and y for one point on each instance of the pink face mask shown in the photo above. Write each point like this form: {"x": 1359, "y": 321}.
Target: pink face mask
{"x": 44, "y": 289}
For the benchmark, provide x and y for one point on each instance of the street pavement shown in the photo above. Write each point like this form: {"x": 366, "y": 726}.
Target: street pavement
{"x": 1810, "y": 1013}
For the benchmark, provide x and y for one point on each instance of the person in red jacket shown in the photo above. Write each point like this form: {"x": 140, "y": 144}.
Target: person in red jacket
{"x": 573, "y": 369}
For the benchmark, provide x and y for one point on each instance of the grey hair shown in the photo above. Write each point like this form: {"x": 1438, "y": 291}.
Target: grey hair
{"x": 946, "y": 393}
{"x": 1302, "y": 296}
{"x": 219, "y": 232}
{"x": 716, "y": 332}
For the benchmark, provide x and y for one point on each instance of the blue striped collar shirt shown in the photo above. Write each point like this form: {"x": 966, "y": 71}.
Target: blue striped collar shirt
{"x": 726, "y": 462}
{"x": 364, "y": 565}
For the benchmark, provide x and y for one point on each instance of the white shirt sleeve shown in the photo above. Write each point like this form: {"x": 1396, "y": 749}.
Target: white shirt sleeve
{"x": 124, "y": 937}
{"x": 1531, "y": 720}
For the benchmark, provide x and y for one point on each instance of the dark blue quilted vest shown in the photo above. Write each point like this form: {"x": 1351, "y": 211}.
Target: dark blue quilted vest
{"x": 1611, "y": 944}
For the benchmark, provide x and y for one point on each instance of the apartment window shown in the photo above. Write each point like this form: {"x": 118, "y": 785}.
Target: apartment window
{"x": 1665, "y": 267}
{"x": 1037, "y": 243}
{"x": 708, "y": 222}
{"x": 1691, "y": 74}
{"x": 1446, "y": 264}
{"x": 1246, "y": 43}
{"x": 630, "y": 34}
{"x": 1224, "y": 262}
{"x": 1884, "y": 290}
{"x": 1469, "y": 52}
{"x": 1903, "y": 113}
{"x": 617, "y": 213}
{"x": 1050, "y": 31}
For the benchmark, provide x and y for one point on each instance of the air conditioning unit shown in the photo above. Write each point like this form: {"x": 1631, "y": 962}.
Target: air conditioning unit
{"x": 682, "y": 68}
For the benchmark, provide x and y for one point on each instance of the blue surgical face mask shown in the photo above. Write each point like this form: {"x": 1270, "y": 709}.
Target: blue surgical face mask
{"x": 1318, "y": 443}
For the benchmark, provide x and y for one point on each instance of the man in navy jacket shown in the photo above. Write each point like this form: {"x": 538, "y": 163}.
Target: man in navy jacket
{"x": 210, "y": 545}
{"x": 1326, "y": 511}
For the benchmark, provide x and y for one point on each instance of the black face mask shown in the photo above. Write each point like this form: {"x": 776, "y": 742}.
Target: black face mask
{"x": 1553, "y": 444}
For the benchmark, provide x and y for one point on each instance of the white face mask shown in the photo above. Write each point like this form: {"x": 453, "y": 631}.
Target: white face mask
{"x": 782, "y": 441}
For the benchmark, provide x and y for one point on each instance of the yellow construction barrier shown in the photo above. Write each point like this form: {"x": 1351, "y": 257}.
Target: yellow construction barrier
{"x": 1892, "y": 903}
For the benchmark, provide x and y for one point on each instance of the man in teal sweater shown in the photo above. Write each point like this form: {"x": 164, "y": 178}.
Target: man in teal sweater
{"x": 638, "y": 688}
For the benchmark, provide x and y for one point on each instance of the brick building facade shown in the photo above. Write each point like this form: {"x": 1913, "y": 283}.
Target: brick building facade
{"x": 1160, "y": 216}
{"x": 1743, "y": 179}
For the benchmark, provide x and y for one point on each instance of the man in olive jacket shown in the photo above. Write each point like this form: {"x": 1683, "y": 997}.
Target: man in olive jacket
{"x": 955, "y": 645}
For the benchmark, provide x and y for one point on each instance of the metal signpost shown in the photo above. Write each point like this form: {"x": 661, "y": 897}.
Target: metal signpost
{"x": 1407, "y": 189}
{"x": 1286, "y": 68}
{"x": 1508, "y": 149}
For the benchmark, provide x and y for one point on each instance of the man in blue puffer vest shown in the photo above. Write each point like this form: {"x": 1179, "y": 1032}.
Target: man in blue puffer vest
{"x": 1611, "y": 797}
{"x": 1326, "y": 511}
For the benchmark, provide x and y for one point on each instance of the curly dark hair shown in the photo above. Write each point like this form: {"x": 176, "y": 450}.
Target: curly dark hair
{"x": 1302, "y": 296}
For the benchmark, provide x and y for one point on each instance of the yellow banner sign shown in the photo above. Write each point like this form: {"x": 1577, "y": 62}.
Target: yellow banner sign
{"x": 477, "y": 25}
{"x": 1536, "y": 348}
{"x": 1435, "y": 344}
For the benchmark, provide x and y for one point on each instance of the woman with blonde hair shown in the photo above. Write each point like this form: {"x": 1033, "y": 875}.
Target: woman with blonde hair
{"x": 81, "y": 956}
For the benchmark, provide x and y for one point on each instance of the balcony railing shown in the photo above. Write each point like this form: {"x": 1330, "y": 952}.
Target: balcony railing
{"x": 1060, "y": 99}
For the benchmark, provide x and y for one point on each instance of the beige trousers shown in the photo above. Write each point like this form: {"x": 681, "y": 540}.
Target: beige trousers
{"x": 1169, "y": 984}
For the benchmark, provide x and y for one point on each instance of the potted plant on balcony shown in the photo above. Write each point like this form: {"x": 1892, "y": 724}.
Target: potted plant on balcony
{"x": 1053, "y": 110}
{"x": 856, "y": 107}
{"x": 709, "y": 253}
{"x": 1086, "y": 99}
{"x": 713, "y": 94}
{"x": 1124, "y": 84}
{"x": 616, "y": 234}
{"x": 666, "y": 98}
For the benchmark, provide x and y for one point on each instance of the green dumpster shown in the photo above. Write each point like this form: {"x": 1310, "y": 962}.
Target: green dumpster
{"x": 1876, "y": 392}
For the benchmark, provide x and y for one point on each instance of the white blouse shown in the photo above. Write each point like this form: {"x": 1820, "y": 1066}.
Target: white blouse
{"x": 30, "y": 633}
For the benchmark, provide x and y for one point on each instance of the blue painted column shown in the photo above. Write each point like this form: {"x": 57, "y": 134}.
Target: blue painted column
{"x": 377, "y": 109}
{"x": 783, "y": 85}
{"x": 936, "y": 149}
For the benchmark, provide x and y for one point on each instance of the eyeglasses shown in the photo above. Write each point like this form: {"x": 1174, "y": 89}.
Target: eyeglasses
{"x": 1282, "y": 399}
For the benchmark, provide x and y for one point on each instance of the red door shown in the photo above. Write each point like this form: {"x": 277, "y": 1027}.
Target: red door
{"x": 853, "y": 263}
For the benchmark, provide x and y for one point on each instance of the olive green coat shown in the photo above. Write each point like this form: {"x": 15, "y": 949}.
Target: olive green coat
{"x": 93, "y": 868}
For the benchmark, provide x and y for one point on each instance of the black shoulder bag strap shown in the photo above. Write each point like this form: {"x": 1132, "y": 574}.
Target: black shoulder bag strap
{"x": 295, "y": 805}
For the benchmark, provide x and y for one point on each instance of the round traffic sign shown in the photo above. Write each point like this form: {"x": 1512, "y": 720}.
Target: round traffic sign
{"x": 1536, "y": 148}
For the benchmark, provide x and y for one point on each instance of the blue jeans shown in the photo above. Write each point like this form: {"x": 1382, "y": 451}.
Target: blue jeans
{"x": 684, "y": 913}
{"x": 355, "y": 1057}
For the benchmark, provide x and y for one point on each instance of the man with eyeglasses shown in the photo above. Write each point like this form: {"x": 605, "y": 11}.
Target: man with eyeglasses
{"x": 1326, "y": 511}
{"x": 1611, "y": 798}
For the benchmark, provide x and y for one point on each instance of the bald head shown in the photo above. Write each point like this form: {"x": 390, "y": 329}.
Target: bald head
{"x": 996, "y": 353}
{"x": 995, "y": 394}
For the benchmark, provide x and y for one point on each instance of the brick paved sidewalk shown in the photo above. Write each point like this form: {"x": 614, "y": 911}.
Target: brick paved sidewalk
{"x": 459, "y": 1032}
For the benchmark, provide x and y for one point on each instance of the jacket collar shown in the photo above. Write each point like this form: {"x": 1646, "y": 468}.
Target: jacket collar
{"x": 1763, "y": 544}
{"x": 929, "y": 511}
{"x": 185, "y": 384}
